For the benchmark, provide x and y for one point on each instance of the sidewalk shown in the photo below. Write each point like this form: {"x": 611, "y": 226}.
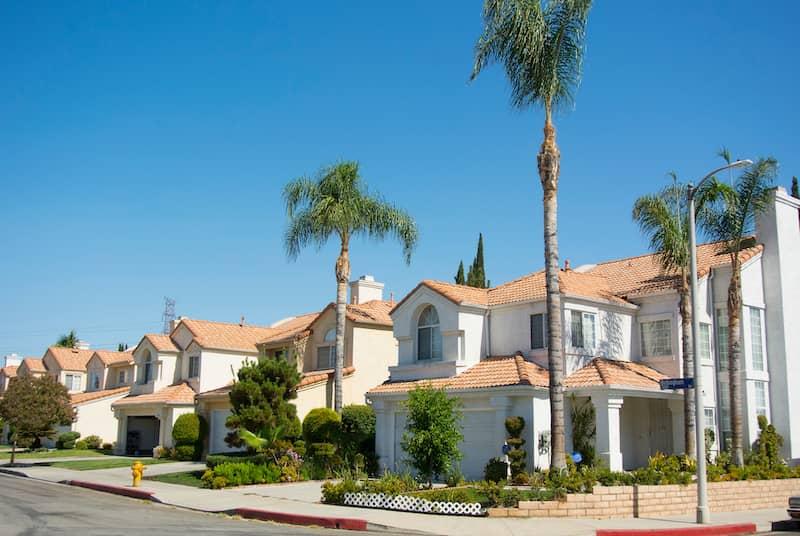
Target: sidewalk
{"x": 302, "y": 498}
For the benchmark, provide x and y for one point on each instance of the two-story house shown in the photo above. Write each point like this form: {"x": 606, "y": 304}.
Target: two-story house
{"x": 68, "y": 366}
{"x": 7, "y": 373}
{"x": 621, "y": 335}
{"x": 31, "y": 366}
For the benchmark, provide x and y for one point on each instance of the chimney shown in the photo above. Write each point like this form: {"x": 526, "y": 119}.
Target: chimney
{"x": 566, "y": 265}
{"x": 241, "y": 321}
{"x": 174, "y": 323}
{"x": 365, "y": 289}
{"x": 82, "y": 345}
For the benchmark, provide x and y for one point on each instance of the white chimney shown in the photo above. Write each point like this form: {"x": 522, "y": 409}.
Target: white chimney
{"x": 12, "y": 360}
{"x": 365, "y": 289}
{"x": 82, "y": 345}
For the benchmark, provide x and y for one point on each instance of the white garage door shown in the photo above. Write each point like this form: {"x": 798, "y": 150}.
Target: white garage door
{"x": 480, "y": 443}
{"x": 218, "y": 431}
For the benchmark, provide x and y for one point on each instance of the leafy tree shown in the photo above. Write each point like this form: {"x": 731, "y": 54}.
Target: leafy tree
{"x": 358, "y": 431}
{"x": 730, "y": 219}
{"x": 261, "y": 399}
{"x": 121, "y": 347}
{"x": 584, "y": 429}
{"x": 33, "y": 407}
{"x": 796, "y": 193}
{"x": 337, "y": 204}
{"x": 460, "y": 274}
{"x": 476, "y": 277}
{"x": 433, "y": 431}
{"x": 70, "y": 340}
{"x": 540, "y": 44}
{"x": 664, "y": 218}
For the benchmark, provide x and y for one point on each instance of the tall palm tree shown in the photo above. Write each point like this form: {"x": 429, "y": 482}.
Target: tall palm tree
{"x": 540, "y": 45}
{"x": 664, "y": 218}
{"x": 338, "y": 204}
{"x": 731, "y": 220}
{"x": 70, "y": 340}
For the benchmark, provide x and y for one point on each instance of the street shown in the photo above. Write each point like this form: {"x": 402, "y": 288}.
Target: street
{"x": 32, "y": 507}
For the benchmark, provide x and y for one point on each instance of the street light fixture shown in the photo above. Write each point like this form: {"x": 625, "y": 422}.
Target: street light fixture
{"x": 700, "y": 440}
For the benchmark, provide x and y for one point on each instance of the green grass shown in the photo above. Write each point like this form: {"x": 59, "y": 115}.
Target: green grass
{"x": 112, "y": 463}
{"x": 67, "y": 453}
{"x": 186, "y": 478}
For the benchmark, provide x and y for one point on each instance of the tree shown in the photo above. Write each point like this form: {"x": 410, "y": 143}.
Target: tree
{"x": 796, "y": 193}
{"x": 121, "y": 347}
{"x": 476, "y": 277}
{"x": 460, "y": 274}
{"x": 33, "y": 407}
{"x": 433, "y": 431}
{"x": 730, "y": 219}
{"x": 664, "y": 219}
{"x": 338, "y": 204}
{"x": 261, "y": 399}
{"x": 70, "y": 340}
{"x": 541, "y": 45}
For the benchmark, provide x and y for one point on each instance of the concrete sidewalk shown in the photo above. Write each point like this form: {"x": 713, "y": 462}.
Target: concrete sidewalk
{"x": 302, "y": 498}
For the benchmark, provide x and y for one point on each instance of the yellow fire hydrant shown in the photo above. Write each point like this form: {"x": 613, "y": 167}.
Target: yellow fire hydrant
{"x": 137, "y": 470}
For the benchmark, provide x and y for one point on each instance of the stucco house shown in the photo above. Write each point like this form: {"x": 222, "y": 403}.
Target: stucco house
{"x": 7, "y": 373}
{"x": 621, "y": 336}
{"x": 31, "y": 366}
{"x": 68, "y": 366}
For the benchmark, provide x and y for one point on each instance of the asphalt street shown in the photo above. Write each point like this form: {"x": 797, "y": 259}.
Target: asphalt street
{"x": 32, "y": 508}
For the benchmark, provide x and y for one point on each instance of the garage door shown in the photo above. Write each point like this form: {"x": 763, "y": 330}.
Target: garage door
{"x": 479, "y": 443}
{"x": 218, "y": 431}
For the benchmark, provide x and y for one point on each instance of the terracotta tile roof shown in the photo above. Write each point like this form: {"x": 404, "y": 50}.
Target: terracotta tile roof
{"x": 226, "y": 336}
{"x": 34, "y": 364}
{"x": 223, "y": 391}
{"x": 532, "y": 287}
{"x": 319, "y": 376}
{"x": 179, "y": 394}
{"x": 289, "y": 329}
{"x": 162, "y": 343}
{"x": 601, "y": 371}
{"x": 70, "y": 358}
{"x": 109, "y": 358}
{"x": 644, "y": 275}
{"x": 82, "y": 398}
{"x": 371, "y": 312}
{"x": 10, "y": 371}
{"x": 491, "y": 372}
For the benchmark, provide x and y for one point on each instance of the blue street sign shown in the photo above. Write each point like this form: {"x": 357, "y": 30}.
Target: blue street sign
{"x": 677, "y": 383}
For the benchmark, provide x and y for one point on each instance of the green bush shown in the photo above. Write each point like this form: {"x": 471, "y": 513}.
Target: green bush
{"x": 93, "y": 441}
{"x": 322, "y": 425}
{"x": 108, "y": 446}
{"x": 67, "y": 440}
{"x": 186, "y": 453}
{"x": 766, "y": 449}
{"x": 186, "y": 430}
{"x": 213, "y": 460}
{"x": 81, "y": 444}
{"x": 393, "y": 484}
{"x": 357, "y": 431}
{"x": 495, "y": 471}
{"x": 240, "y": 474}
{"x": 514, "y": 426}
{"x": 333, "y": 492}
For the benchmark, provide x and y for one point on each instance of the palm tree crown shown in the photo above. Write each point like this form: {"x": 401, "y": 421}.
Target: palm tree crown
{"x": 664, "y": 218}
{"x": 70, "y": 340}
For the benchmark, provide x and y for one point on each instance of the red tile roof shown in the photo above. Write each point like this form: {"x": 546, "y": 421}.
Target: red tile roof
{"x": 10, "y": 371}
{"x": 162, "y": 343}
{"x": 308, "y": 379}
{"x": 600, "y": 371}
{"x": 226, "y": 336}
{"x": 82, "y": 398}
{"x": 371, "y": 312}
{"x": 70, "y": 358}
{"x": 178, "y": 394}
{"x": 34, "y": 364}
{"x": 289, "y": 329}
{"x": 111, "y": 358}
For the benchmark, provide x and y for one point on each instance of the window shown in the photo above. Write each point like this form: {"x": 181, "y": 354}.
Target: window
{"x": 429, "y": 337}
{"x": 194, "y": 366}
{"x": 147, "y": 369}
{"x": 761, "y": 398}
{"x": 72, "y": 382}
{"x": 121, "y": 377}
{"x": 656, "y": 338}
{"x": 704, "y": 346}
{"x": 724, "y": 405}
{"x": 722, "y": 339}
{"x": 582, "y": 327}
{"x": 710, "y": 422}
{"x": 94, "y": 380}
{"x": 326, "y": 354}
{"x": 756, "y": 338}
{"x": 539, "y": 331}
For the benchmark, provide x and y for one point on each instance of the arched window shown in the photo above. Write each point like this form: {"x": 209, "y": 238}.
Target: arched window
{"x": 147, "y": 373}
{"x": 326, "y": 353}
{"x": 429, "y": 337}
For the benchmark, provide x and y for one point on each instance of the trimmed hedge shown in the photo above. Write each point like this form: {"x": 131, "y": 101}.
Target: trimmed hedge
{"x": 188, "y": 433}
{"x": 213, "y": 460}
{"x": 240, "y": 474}
{"x": 67, "y": 440}
{"x": 322, "y": 425}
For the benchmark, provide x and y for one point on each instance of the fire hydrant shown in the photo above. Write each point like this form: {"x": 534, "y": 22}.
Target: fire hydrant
{"x": 137, "y": 470}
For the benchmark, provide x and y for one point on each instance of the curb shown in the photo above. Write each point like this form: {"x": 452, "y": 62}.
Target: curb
{"x": 708, "y": 530}
{"x": 346, "y": 523}
{"x": 13, "y": 473}
{"x": 133, "y": 493}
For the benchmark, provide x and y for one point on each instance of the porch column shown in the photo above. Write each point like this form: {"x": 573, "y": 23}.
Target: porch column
{"x": 678, "y": 440}
{"x": 122, "y": 431}
{"x": 607, "y": 410}
{"x": 382, "y": 433}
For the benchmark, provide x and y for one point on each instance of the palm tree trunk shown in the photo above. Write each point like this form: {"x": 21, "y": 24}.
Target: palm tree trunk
{"x": 688, "y": 366}
{"x": 342, "y": 277}
{"x": 548, "y": 160}
{"x": 13, "y": 451}
{"x": 735, "y": 359}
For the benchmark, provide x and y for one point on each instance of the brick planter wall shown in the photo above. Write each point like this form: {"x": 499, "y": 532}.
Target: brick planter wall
{"x": 650, "y": 501}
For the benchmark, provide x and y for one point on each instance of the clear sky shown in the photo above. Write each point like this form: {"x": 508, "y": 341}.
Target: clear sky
{"x": 143, "y": 145}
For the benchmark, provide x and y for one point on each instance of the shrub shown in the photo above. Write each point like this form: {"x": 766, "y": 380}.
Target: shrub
{"x": 393, "y": 484}
{"x": 81, "y": 445}
{"x": 185, "y": 453}
{"x": 67, "y": 440}
{"x": 93, "y": 441}
{"x": 357, "y": 431}
{"x": 495, "y": 471}
{"x": 584, "y": 429}
{"x": 322, "y": 425}
{"x": 240, "y": 474}
{"x": 517, "y": 456}
{"x": 766, "y": 448}
{"x": 108, "y": 446}
{"x": 213, "y": 460}
{"x": 333, "y": 492}
{"x": 186, "y": 430}
{"x": 454, "y": 478}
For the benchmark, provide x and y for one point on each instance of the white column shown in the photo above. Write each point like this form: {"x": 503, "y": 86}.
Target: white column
{"x": 381, "y": 433}
{"x": 122, "y": 431}
{"x": 678, "y": 438}
{"x": 607, "y": 411}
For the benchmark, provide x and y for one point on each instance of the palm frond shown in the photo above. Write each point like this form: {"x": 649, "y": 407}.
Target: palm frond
{"x": 665, "y": 222}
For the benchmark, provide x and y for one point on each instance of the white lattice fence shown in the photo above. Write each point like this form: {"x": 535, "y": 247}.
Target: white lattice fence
{"x": 411, "y": 504}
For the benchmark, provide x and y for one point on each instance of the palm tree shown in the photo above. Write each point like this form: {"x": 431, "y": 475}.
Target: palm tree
{"x": 70, "y": 340}
{"x": 731, "y": 220}
{"x": 337, "y": 203}
{"x": 664, "y": 218}
{"x": 540, "y": 45}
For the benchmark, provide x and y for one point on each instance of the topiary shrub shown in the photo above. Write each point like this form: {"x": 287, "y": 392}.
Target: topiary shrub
{"x": 186, "y": 430}
{"x": 495, "y": 471}
{"x": 322, "y": 425}
{"x": 67, "y": 440}
{"x": 517, "y": 457}
{"x": 93, "y": 441}
{"x": 184, "y": 453}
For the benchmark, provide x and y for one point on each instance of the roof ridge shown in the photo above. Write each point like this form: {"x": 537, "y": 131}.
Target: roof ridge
{"x": 234, "y": 324}
{"x": 518, "y": 279}
{"x": 611, "y": 261}
{"x": 522, "y": 371}
{"x": 596, "y": 364}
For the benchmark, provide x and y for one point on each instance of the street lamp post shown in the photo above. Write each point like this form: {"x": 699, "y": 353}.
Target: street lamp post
{"x": 700, "y": 439}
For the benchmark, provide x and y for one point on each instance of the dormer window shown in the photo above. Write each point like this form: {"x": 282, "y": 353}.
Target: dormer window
{"x": 326, "y": 353}
{"x": 429, "y": 336}
{"x": 194, "y": 366}
{"x": 147, "y": 370}
{"x": 121, "y": 377}
{"x": 95, "y": 380}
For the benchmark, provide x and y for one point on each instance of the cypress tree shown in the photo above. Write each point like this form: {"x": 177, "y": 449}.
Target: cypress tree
{"x": 460, "y": 274}
{"x": 795, "y": 189}
{"x": 476, "y": 277}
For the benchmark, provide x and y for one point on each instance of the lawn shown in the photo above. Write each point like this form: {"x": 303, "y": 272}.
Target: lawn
{"x": 111, "y": 463}
{"x": 186, "y": 478}
{"x": 66, "y": 453}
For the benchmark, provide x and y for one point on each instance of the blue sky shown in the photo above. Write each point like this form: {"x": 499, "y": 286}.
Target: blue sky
{"x": 144, "y": 145}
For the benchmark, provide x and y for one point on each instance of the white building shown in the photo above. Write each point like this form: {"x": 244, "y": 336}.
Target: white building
{"x": 621, "y": 335}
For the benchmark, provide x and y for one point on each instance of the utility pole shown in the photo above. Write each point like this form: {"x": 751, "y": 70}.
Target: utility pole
{"x": 169, "y": 314}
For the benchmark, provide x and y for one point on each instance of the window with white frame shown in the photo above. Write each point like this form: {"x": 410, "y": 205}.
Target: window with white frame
{"x": 582, "y": 327}
{"x": 121, "y": 377}
{"x": 756, "y": 339}
{"x": 194, "y": 366}
{"x": 656, "y": 338}
{"x": 710, "y": 422}
{"x": 705, "y": 343}
{"x": 326, "y": 354}
{"x": 429, "y": 335}
{"x": 72, "y": 382}
{"x": 760, "y": 389}
{"x": 538, "y": 331}
{"x": 722, "y": 339}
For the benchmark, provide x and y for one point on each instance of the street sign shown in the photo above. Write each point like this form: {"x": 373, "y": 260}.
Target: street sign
{"x": 677, "y": 383}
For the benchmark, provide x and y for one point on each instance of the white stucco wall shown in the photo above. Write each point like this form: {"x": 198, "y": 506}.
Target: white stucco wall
{"x": 165, "y": 369}
{"x": 217, "y": 368}
{"x": 97, "y": 418}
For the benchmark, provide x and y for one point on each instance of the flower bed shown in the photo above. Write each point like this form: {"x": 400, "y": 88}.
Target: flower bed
{"x": 406, "y": 503}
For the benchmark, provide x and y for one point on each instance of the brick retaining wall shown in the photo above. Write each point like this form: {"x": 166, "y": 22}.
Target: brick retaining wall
{"x": 650, "y": 501}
